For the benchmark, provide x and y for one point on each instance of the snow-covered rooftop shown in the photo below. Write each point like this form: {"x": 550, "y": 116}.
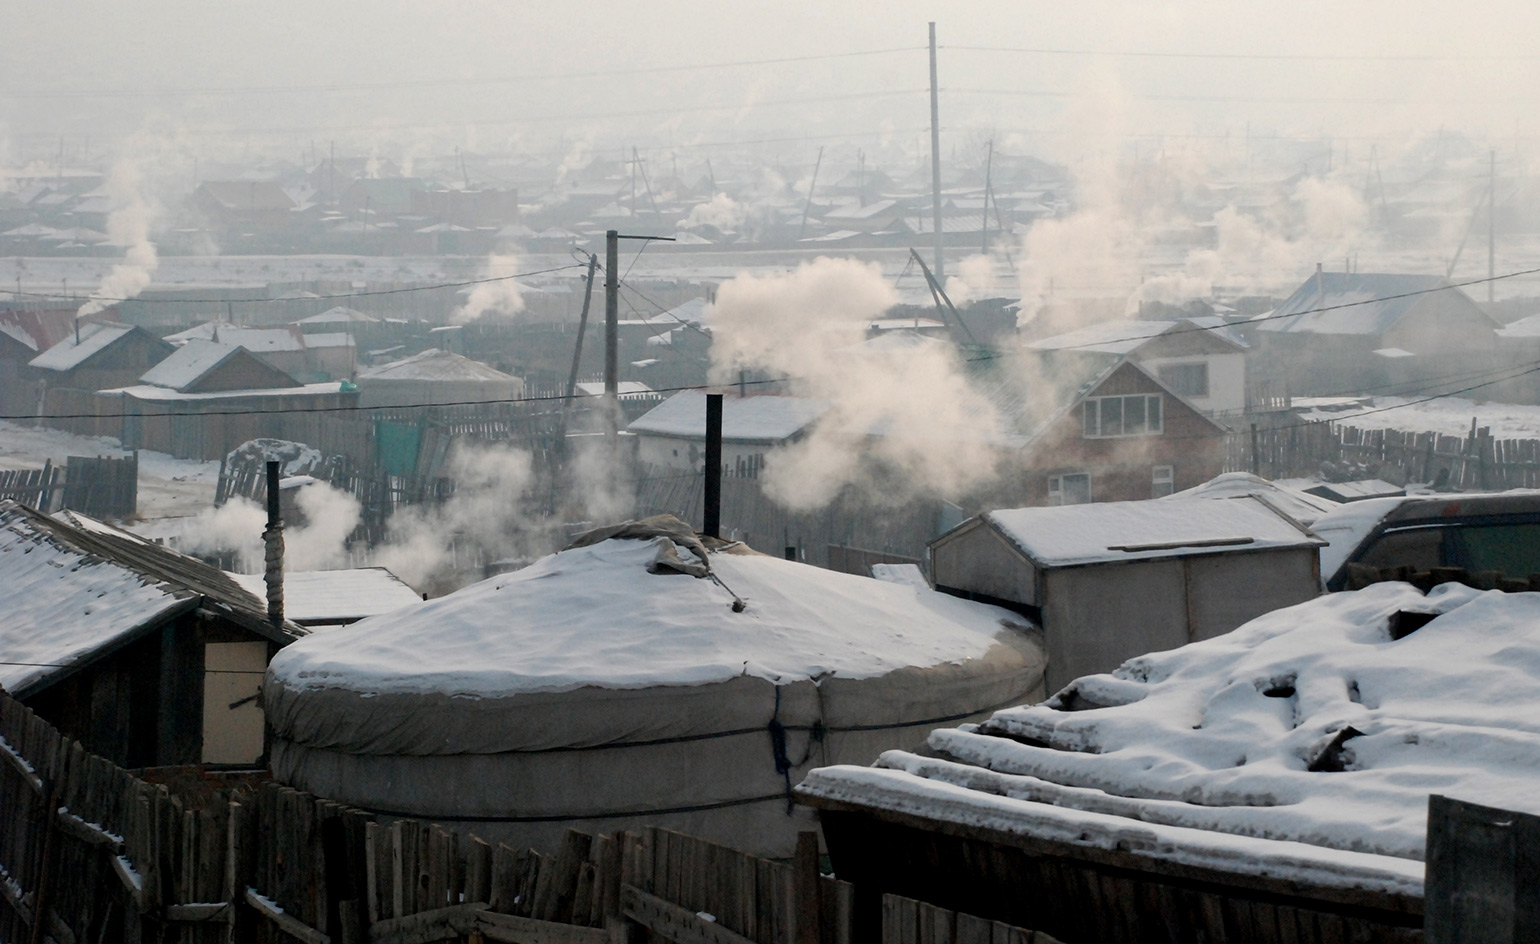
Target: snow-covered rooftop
{"x": 594, "y": 616}
{"x": 69, "y": 354}
{"x": 435, "y": 365}
{"x": 339, "y": 315}
{"x": 624, "y": 389}
{"x": 1294, "y": 502}
{"x": 187, "y": 363}
{"x": 264, "y": 340}
{"x": 335, "y": 596}
{"x": 1068, "y": 535}
{"x": 1304, "y": 744}
{"x": 1125, "y": 337}
{"x": 147, "y": 392}
{"x": 1359, "y": 303}
{"x": 764, "y": 418}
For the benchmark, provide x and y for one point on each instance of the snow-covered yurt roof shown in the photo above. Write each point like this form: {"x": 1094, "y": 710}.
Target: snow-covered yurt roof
{"x": 1304, "y": 744}
{"x": 635, "y": 676}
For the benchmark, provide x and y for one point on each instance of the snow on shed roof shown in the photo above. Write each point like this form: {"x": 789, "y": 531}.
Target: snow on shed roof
{"x": 1361, "y": 303}
{"x": 67, "y": 592}
{"x": 1212, "y": 744}
{"x": 435, "y": 365}
{"x": 1068, "y": 535}
{"x": 624, "y": 389}
{"x": 187, "y": 364}
{"x": 94, "y": 338}
{"x": 761, "y": 418}
{"x": 335, "y": 596}
{"x": 264, "y": 340}
{"x": 1523, "y": 328}
{"x": 341, "y": 314}
{"x": 1294, "y": 502}
{"x": 594, "y": 616}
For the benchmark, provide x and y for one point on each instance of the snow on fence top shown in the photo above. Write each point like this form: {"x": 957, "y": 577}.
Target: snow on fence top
{"x": 595, "y": 616}
{"x": 1068, "y": 535}
{"x": 1308, "y": 727}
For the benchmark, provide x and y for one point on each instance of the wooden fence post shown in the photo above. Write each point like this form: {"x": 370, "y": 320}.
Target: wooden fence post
{"x": 809, "y": 910}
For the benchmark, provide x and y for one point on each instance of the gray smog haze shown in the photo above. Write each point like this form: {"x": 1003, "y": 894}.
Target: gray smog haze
{"x": 285, "y": 75}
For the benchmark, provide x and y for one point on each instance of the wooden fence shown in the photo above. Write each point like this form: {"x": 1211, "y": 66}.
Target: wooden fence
{"x": 92, "y": 854}
{"x": 33, "y": 487}
{"x": 1474, "y": 461}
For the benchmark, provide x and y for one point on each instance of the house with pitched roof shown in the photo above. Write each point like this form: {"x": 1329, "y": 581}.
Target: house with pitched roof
{"x": 1088, "y": 426}
{"x": 1342, "y": 333}
{"x": 1201, "y": 359}
{"x": 147, "y": 656}
{"x": 99, "y": 355}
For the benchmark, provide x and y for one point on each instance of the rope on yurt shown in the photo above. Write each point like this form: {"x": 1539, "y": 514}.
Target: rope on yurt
{"x": 783, "y": 764}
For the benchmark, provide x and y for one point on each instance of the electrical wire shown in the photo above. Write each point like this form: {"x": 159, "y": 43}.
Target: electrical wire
{"x": 273, "y": 301}
{"x": 1244, "y": 56}
{"x": 443, "y": 82}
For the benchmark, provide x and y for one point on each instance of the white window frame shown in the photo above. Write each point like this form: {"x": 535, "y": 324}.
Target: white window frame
{"x": 1092, "y": 416}
{"x": 1056, "y": 487}
{"x": 1161, "y": 369}
{"x": 1162, "y": 480}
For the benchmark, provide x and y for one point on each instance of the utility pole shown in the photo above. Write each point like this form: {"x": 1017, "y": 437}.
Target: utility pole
{"x": 989, "y": 166}
{"x": 935, "y": 154}
{"x": 807, "y": 208}
{"x": 611, "y": 335}
{"x": 612, "y": 328}
{"x": 1492, "y": 229}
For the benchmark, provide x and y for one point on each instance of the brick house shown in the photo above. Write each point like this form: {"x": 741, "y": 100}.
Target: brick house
{"x": 1101, "y": 427}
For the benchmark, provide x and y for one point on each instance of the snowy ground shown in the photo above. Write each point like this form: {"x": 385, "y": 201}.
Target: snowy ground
{"x": 1450, "y": 415}
{"x": 168, "y": 488}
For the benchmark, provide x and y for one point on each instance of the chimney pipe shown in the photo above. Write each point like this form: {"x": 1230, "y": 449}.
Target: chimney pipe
{"x": 1320, "y": 282}
{"x": 712, "y": 526}
{"x": 272, "y": 542}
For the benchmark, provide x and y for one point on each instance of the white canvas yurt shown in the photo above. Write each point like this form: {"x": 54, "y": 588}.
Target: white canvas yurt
{"x": 636, "y": 677}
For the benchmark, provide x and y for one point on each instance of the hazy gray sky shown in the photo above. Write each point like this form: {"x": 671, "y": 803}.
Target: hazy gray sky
{"x": 478, "y": 73}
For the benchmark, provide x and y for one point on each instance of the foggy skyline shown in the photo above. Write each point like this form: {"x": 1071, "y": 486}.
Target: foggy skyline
{"x": 281, "y": 78}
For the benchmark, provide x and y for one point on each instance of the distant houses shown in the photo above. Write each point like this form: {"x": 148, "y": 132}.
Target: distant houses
{"x": 1199, "y": 359}
{"x": 1343, "y": 333}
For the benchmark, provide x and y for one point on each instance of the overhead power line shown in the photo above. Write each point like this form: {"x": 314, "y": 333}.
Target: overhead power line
{"x": 1246, "y": 56}
{"x": 273, "y": 301}
{"x": 439, "y": 82}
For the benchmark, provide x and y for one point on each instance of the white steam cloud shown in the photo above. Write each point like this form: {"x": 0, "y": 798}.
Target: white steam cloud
{"x": 489, "y": 513}
{"x": 721, "y": 211}
{"x": 502, "y": 297}
{"x": 129, "y": 220}
{"x": 900, "y": 419}
{"x": 330, "y": 516}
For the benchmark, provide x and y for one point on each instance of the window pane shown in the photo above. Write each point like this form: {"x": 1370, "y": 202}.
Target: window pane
{"x": 1077, "y": 489}
{"x": 1513, "y": 549}
{"x": 1156, "y": 420}
{"x": 1090, "y": 417}
{"x": 1188, "y": 380}
{"x": 1133, "y": 415}
{"x": 1112, "y": 416}
{"x": 1162, "y": 481}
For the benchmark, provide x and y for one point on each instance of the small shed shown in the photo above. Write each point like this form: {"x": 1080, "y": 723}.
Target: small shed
{"x": 435, "y": 377}
{"x": 1111, "y": 581}
{"x": 147, "y": 656}
{"x": 212, "y": 366}
{"x": 673, "y": 433}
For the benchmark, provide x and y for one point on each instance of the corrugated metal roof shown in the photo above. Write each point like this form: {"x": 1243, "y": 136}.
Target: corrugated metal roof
{"x": 335, "y": 596}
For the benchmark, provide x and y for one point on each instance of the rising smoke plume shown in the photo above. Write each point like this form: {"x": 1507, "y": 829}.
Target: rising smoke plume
{"x": 490, "y": 514}
{"x": 900, "y": 419}
{"x": 129, "y": 221}
{"x": 319, "y": 543}
{"x": 502, "y": 297}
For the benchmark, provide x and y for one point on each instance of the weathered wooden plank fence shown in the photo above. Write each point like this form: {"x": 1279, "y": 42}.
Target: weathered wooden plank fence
{"x": 1474, "y": 461}
{"x": 33, "y": 487}
{"x": 91, "y": 854}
